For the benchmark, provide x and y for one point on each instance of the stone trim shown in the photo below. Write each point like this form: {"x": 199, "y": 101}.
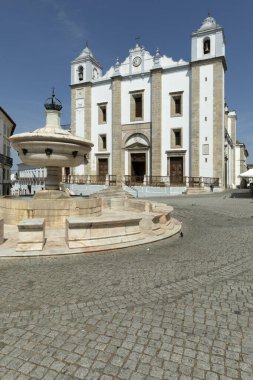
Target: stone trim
{"x": 82, "y": 84}
{"x": 87, "y": 118}
{"x": 136, "y": 127}
{"x": 209, "y": 61}
{"x": 133, "y": 96}
{"x": 195, "y": 89}
{"x": 101, "y": 107}
{"x": 173, "y": 137}
{"x": 156, "y": 115}
{"x": 218, "y": 121}
{"x": 174, "y": 153}
{"x": 101, "y": 142}
{"x": 173, "y": 96}
{"x": 117, "y": 154}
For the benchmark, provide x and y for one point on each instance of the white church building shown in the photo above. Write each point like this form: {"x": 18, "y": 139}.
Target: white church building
{"x": 152, "y": 116}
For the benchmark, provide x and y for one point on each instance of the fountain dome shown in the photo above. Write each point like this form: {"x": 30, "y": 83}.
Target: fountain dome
{"x": 51, "y": 146}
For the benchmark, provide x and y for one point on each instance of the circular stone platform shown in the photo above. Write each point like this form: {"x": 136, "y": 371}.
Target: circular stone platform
{"x": 53, "y": 210}
{"x": 123, "y": 222}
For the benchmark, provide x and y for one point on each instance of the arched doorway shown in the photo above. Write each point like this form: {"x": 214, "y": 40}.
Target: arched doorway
{"x": 137, "y": 146}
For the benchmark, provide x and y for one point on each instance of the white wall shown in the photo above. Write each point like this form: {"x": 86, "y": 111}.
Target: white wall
{"x": 101, "y": 93}
{"x": 135, "y": 84}
{"x": 175, "y": 81}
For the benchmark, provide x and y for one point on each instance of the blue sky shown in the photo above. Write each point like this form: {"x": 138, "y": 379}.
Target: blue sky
{"x": 39, "y": 38}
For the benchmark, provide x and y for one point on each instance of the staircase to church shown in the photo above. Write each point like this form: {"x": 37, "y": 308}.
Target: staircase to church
{"x": 196, "y": 190}
{"x": 114, "y": 192}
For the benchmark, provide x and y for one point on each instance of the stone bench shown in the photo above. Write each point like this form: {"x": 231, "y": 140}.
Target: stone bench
{"x": 1, "y": 230}
{"x": 31, "y": 235}
{"x": 107, "y": 229}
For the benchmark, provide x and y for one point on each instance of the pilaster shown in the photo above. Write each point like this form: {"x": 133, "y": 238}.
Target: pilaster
{"x": 87, "y": 120}
{"x": 218, "y": 121}
{"x": 117, "y": 153}
{"x": 195, "y": 93}
{"x": 156, "y": 115}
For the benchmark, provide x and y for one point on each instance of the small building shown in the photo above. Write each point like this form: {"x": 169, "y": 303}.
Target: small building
{"x": 241, "y": 164}
{"x": 28, "y": 179}
{"x": 7, "y": 127}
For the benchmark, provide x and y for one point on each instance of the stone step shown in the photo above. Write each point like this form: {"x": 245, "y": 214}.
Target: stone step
{"x": 196, "y": 190}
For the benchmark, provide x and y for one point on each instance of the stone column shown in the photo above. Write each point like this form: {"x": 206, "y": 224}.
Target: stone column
{"x": 156, "y": 115}
{"x": 53, "y": 178}
{"x": 116, "y": 128}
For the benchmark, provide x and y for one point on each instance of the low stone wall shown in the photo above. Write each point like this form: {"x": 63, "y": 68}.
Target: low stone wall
{"x": 54, "y": 211}
{"x": 123, "y": 220}
{"x": 105, "y": 230}
{"x": 31, "y": 235}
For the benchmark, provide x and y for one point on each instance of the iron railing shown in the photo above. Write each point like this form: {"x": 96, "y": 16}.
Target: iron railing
{"x": 134, "y": 180}
{"x": 156, "y": 181}
{"x": 194, "y": 181}
{"x": 178, "y": 180}
{"x": 211, "y": 181}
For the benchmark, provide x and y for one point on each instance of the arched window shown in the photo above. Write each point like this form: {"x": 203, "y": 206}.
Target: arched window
{"x": 206, "y": 45}
{"x": 80, "y": 73}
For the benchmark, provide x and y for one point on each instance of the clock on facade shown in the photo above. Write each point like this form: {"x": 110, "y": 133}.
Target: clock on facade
{"x": 137, "y": 61}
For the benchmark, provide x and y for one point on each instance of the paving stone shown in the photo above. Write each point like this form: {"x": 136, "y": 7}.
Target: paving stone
{"x": 182, "y": 310}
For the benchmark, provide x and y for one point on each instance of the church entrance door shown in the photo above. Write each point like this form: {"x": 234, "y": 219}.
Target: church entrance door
{"x": 102, "y": 167}
{"x": 176, "y": 170}
{"x": 138, "y": 166}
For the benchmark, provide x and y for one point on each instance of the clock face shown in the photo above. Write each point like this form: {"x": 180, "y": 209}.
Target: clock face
{"x": 137, "y": 61}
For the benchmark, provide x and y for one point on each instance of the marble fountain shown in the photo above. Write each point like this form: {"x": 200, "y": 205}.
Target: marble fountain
{"x": 54, "y": 222}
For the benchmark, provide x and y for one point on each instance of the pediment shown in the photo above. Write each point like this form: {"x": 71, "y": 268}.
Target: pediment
{"x": 136, "y": 141}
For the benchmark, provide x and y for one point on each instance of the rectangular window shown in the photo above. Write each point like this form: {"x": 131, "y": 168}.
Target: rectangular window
{"x": 176, "y": 104}
{"x": 136, "y": 105}
{"x": 102, "y": 142}
{"x": 176, "y": 138}
{"x": 102, "y": 113}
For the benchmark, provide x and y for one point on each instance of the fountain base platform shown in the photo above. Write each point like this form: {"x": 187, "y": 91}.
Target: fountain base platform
{"x": 54, "y": 210}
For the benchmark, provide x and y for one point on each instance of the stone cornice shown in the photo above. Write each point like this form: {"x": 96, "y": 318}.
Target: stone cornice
{"x": 208, "y": 61}
{"x": 81, "y": 85}
{"x": 156, "y": 70}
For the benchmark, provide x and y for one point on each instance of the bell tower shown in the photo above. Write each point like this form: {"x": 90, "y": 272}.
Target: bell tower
{"x": 208, "y": 41}
{"x": 85, "y": 68}
{"x": 208, "y": 66}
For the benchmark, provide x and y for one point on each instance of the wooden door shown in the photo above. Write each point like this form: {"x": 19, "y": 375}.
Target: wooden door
{"x": 102, "y": 167}
{"x": 176, "y": 170}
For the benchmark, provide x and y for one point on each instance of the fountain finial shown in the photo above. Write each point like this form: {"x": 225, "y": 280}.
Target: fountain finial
{"x": 53, "y": 103}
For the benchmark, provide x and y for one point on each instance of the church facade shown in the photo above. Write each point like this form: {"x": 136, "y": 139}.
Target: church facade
{"x": 153, "y": 116}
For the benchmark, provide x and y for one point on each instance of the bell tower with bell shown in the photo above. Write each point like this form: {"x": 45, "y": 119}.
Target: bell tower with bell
{"x": 208, "y": 66}
{"x": 208, "y": 41}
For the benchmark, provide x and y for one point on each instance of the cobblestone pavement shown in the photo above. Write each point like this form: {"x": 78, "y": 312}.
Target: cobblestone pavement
{"x": 180, "y": 308}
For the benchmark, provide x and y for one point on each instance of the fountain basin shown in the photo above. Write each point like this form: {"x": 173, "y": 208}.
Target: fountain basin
{"x": 55, "y": 211}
